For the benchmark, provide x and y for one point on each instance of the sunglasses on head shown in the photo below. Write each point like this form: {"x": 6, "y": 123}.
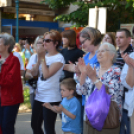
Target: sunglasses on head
{"x": 47, "y": 40}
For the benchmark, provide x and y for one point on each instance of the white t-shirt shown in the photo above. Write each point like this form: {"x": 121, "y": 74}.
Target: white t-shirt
{"x": 49, "y": 90}
{"x": 33, "y": 60}
{"x": 20, "y": 60}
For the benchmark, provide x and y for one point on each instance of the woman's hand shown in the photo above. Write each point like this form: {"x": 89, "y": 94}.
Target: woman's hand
{"x": 91, "y": 73}
{"x": 77, "y": 71}
{"x": 41, "y": 52}
{"x": 81, "y": 65}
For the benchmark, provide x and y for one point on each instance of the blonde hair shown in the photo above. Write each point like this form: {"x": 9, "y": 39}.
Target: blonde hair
{"x": 36, "y": 40}
{"x": 18, "y": 45}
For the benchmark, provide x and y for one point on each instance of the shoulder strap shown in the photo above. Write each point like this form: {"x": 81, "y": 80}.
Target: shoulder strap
{"x": 36, "y": 58}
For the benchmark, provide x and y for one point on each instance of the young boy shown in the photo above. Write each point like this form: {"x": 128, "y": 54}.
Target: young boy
{"x": 70, "y": 108}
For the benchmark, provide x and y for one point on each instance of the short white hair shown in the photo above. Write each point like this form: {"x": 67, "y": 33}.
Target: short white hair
{"x": 112, "y": 50}
{"x": 8, "y": 40}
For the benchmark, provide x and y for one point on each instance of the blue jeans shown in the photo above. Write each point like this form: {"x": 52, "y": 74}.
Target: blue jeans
{"x": 8, "y": 116}
{"x": 125, "y": 123}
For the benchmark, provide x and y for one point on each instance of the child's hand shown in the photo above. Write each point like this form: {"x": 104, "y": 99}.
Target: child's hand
{"x": 58, "y": 108}
{"x": 47, "y": 105}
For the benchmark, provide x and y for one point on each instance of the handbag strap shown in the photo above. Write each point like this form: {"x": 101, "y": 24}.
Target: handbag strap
{"x": 36, "y": 58}
{"x": 92, "y": 88}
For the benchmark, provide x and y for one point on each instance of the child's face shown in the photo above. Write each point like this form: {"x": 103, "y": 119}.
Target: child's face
{"x": 65, "y": 92}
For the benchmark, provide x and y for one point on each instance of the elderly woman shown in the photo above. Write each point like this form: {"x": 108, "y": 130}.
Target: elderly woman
{"x": 11, "y": 94}
{"x": 106, "y": 74}
{"x": 127, "y": 79}
{"x": 49, "y": 66}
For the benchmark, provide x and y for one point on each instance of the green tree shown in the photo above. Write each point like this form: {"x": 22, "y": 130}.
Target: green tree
{"x": 118, "y": 11}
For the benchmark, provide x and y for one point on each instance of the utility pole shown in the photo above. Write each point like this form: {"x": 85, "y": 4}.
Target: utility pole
{"x": 17, "y": 21}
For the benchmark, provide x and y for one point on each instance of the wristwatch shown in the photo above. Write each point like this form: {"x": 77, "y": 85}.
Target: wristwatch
{"x": 97, "y": 80}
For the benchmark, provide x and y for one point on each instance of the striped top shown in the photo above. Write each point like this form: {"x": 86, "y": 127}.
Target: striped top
{"x": 119, "y": 60}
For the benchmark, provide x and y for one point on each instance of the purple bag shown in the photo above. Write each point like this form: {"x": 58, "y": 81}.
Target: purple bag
{"x": 97, "y": 107}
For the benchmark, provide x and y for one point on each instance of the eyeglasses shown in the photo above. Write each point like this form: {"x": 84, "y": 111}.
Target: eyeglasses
{"x": 39, "y": 42}
{"x": 102, "y": 51}
{"x": 47, "y": 40}
{"x": 85, "y": 40}
{"x": 107, "y": 38}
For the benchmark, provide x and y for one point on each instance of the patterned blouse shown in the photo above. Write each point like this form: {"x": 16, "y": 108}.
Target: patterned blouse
{"x": 110, "y": 78}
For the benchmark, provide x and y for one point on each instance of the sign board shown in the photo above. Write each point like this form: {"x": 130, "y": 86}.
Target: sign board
{"x": 29, "y": 11}
{"x": 130, "y": 27}
{"x": 7, "y": 29}
{"x": 97, "y": 18}
{"x": 4, "y": 3}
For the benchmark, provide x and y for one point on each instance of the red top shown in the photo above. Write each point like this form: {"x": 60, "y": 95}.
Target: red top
{"x": 10, "y": 82}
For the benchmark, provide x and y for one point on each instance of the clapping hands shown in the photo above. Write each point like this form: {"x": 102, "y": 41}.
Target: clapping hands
{"x": 41, "y": 52}
{"x": 91, "y": 73}
{"x": 129, "y": 61}
{"x": 82, "y": 66}
{"x": 86, "y": 70}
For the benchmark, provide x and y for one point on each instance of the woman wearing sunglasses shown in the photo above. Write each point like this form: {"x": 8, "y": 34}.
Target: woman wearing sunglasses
{"x": 49, "y": 66}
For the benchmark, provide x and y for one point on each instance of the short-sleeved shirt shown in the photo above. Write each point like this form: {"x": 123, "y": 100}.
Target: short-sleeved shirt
{"x": 48, "y": 90}
{"x": 111, "y": 78}
{"x": 32, "y": 61}
{"x": 71, "y": 125}
{"x": 71, "y": 55}
{"x": 27, "y": 53}
{"x": 91, "y": 61}
{"x": 20, "y": 60}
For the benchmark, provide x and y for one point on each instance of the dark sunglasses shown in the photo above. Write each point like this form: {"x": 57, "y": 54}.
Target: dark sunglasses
{"x": 47, "y": 40}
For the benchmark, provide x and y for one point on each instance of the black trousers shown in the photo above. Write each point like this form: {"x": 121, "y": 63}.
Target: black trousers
{"x": 37, "y": 117}
{"x": 48, "y": 116}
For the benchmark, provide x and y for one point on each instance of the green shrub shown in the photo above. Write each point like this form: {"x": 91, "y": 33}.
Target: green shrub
{"x": 26, "y": 95}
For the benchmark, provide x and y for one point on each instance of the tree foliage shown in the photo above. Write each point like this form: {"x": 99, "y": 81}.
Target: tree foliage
{"x": 118, "y": 11}
{"x": 57, "y": 4}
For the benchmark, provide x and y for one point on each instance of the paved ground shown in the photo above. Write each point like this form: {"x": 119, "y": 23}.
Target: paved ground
{"x": 23, "y": 124}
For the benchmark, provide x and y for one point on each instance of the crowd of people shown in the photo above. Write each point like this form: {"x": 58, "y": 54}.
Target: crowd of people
{"x": 62, "y": 77}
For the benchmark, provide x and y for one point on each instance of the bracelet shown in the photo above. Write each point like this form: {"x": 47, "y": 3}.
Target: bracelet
{"x": 97, "y": 81}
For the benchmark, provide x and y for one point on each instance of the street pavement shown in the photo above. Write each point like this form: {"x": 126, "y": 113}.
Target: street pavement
{"x": 23, "y": 124}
